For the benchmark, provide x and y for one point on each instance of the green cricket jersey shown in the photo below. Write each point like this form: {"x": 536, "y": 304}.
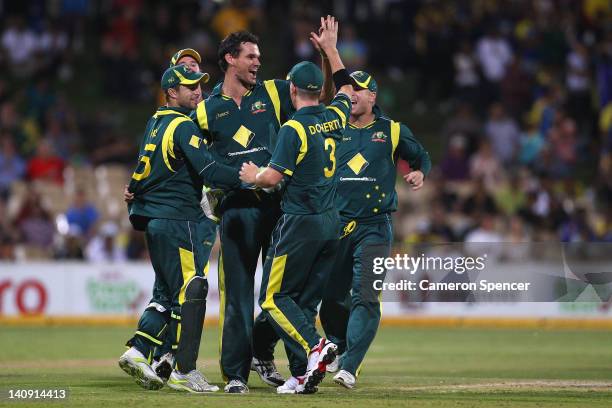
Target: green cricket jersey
{"x": 248, "y": 132}
{"x": 172, "y": 166}
{"x": 367, "y": 160}
{"x": 306, "y": 151}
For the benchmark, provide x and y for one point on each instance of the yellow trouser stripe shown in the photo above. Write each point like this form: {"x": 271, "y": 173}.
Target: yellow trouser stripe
{"x": 274, "y": 285}
{"x": 206, "y": 269}
{"x": 178, "y": 333}
{"x": 188, "y": 270}
{"x": 221, "y": 279}
{"x": 395, "y": 134}
{"x": 149, "y": 337}
{"x": 273, "y": 92}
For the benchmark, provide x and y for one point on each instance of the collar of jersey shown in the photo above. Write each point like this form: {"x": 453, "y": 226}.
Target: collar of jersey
{"x": 378, "y": 113}
{"x": 167, "y": 110}
{"x": 311, "y": 109}
{"x": 219, "y": 87}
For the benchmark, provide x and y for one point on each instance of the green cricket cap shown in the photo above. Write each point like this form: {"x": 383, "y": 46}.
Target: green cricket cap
{"x": 182, "y": 75}
{"x": 363, "y": 80}
{"x": 307, "y": 76}
{"x": 185, "y": 51}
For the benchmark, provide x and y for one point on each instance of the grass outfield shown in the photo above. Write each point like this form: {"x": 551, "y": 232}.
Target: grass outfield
{"x": 405, "y": 367}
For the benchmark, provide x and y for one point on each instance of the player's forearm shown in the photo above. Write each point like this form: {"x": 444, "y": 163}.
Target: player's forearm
{"x": 328, "y": 83}
{"x": 335, "y": 63}
{"x": 220, "y": 175}
{"x": 268, "y": 178}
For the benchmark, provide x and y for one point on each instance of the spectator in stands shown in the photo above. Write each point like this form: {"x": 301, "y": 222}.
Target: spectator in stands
{"x": 37, "y": 229}
{"x": 563, "y": 144}
{"x": 82, "y": 215}
{"x": 486, "y": 166}
{"x": 510, "y": 196}
{"x": 531, "y": 144}
{"x": 503, "y": 133}
{"x": 103, "y": 247}
{"x": 467, "y": 76}
{"x": 352, "y": 49}
{"x": 46, "y": 165}
{"x": 20, "y": 44}
{"x": 8, "y": 235}
{"x": 236, "y": 15}
{"x": 494, "y": 55}
{"x": 12, "y": 166}
{"x": 455, "y": 164}
{"x": 578, "y": 82}
{"x": 516, "y": 88}
{"x": 577, "y": 228}
{"x": 465, "y": 122}
{"x": 480, "y": 201}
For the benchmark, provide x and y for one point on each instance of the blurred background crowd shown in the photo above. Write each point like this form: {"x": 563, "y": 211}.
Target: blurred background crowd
{"x": 512, "y": 98}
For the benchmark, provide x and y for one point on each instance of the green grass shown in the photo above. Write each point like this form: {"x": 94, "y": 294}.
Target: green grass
{"x": 405, "y": 367}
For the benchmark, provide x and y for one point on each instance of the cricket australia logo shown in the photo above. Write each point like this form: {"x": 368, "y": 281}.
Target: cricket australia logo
{"x": 258, "y": 107}
{"x": 379, "y": 137}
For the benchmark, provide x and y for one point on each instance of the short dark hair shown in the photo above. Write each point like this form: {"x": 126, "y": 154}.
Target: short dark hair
{"x": 231, "y": 45}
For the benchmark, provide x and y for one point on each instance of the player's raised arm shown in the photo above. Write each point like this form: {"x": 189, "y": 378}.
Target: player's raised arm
{"x": 327, "y": 39}
{"x": 328, "y": 83}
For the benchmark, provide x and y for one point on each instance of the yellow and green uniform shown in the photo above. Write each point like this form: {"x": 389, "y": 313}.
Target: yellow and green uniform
{"x": 167, "y": 187}
{"x": 366, "y": 196}
{"x": 303, "y": 244}
{"x": 239, "y": 134}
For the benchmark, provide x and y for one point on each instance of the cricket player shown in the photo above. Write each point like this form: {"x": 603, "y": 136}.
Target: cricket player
{"x": 167, "y": 188}
{"x": 366, "y": 196}
{"x": 240, "y": 119}
{"x": 303, "y": 243}
{"x": 163, "y": 357}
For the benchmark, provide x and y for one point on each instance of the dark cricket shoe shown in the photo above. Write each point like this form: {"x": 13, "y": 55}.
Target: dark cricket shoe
{"x": 163, "y": 366}
{"x": 267, "y": 372}
{"x": 236, "y": 387}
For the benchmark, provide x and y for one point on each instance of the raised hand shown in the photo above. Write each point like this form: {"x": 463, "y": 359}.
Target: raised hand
{"x": 327, "y": 37}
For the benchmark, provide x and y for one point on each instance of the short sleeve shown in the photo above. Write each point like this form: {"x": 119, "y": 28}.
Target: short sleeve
{"x": 290, "y": 149}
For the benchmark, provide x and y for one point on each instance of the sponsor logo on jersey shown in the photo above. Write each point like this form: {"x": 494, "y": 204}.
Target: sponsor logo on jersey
{"x": 358, "y": 163}
{"x": 379, "y": 137}
{"x": 222, "y": 114}
{"x": 258, "y": 107}
{"x": 253, "y": 150}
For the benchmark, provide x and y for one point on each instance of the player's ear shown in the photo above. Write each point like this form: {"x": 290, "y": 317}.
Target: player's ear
{"x": 172, "y": 93}
{"x": 229, "y": 59}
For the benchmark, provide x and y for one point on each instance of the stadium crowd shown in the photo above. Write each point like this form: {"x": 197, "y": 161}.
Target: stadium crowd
{"x": 520, "y": 92}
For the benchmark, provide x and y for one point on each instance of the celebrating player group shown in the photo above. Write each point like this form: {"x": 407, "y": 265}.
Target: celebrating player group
{"x": 309, "y": 186}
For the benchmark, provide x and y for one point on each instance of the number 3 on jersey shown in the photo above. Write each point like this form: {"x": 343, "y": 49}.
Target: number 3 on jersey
{"x": 329, "y": 142}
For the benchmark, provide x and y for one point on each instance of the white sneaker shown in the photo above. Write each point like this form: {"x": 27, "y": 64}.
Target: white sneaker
{"x": 267, "y": 372}
{"x": 136, "y": 365}
{"x": 236, "y": 387}
{"x": 345, "y": 379}
{"x": 318, "y": 359}
{"x": 292, "y": 385}
{"x": 334, "y": 366}
{"x": 194, "y": 381}
{"x": 164, "y": 366}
